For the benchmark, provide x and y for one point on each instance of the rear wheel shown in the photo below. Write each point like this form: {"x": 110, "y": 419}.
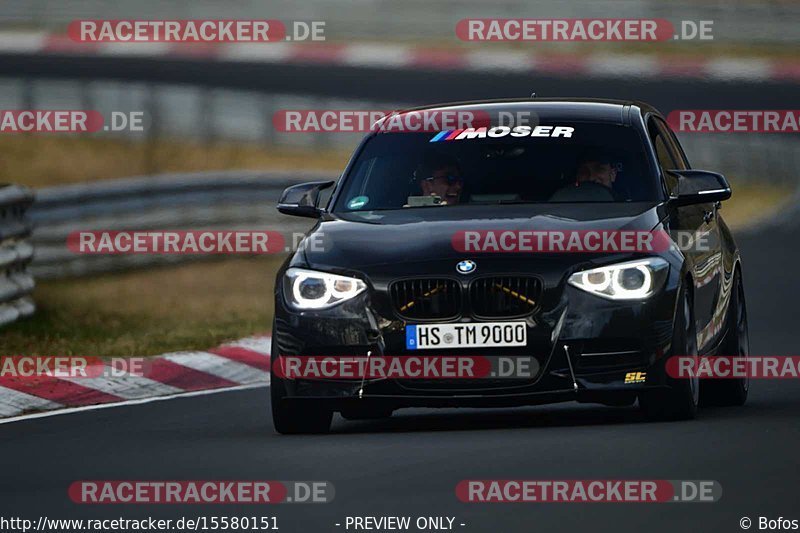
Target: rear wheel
{"x": 736, "y": 344}
{"x": 297, "y": 416}
{"x": 679, "y": 400}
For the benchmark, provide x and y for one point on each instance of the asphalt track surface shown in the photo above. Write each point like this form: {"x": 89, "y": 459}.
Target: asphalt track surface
{"x": 410, "y": 464}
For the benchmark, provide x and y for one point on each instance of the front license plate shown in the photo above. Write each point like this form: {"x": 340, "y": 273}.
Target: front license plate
{"x": 473, "y": 335}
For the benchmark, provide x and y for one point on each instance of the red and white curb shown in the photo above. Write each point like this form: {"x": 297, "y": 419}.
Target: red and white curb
{"x": 239, "y": 364}
{"x": 399, "y": 56}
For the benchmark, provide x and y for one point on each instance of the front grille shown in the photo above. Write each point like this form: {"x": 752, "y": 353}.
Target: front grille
{"x": 426, "y": 299}
{"x": 504, "y": 296}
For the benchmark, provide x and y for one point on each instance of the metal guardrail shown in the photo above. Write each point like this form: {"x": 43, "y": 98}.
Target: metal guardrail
{"x": 16, "y": 282}
{"x": 197, "y": 201}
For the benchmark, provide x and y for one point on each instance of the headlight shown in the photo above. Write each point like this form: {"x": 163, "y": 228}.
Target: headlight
{"x": 632, "y": 280}
{"x": 308, "y": 289}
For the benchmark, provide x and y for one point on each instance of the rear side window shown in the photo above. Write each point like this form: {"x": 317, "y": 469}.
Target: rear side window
{"x": 664, "y": 156}
{"x": 670, "y": 155}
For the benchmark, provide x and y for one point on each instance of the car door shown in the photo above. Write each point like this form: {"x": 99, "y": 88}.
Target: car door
{"x": 697, "y": 232}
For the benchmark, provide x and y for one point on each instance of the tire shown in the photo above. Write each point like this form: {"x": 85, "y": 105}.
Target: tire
{"x": 731, "y": 392}
{"x": 292, "y": 417}
{"x": 679, "y": 400}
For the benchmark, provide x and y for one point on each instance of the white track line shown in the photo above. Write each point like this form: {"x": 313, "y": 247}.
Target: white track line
{"x": 258, "y": 52}
{"x": 128, "y": 387}
{"x": 22, "y": 41}
{"x": 497, "y": 60}
{"x": 219, "y": 366}
{"x": 72, "y": 410}
{"x": 739, "y": 69}
{"x": 134, "y": 49}
{"x": 377, "y": 55}
{"x": 262, "y": 345}
{"x": 13, "y": 402}
{"x": 622, "y": 65}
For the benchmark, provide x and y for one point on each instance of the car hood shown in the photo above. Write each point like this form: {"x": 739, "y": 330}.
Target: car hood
{"x": 397, "y": 239}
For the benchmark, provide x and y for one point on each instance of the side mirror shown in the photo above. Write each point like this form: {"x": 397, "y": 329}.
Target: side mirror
{"x": 301, "y": 200}
{"x": 699, "y": 187}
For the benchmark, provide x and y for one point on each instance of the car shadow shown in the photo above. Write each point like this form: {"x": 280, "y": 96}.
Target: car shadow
{"x": 420, "y": 420}
{"x": 565, "y": 415}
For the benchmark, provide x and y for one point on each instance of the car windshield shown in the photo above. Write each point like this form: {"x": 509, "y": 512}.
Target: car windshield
{"x": 552, "y": 163}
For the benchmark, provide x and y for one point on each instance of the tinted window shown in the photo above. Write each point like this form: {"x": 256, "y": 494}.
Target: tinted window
{"x": 673, "y": 144}
{"x": 669, "y": 152}
{"x": 664, "y": 156}
{"x": 579, "y": 162}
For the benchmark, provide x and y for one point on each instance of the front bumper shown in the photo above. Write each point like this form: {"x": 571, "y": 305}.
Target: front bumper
{"x": 585, "y": 348}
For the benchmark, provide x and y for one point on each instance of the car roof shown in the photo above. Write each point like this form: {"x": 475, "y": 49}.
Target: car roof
{"x": 592, "y": 109}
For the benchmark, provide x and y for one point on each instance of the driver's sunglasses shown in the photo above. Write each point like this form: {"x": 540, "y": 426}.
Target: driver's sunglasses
{"x": 450, "y": 179}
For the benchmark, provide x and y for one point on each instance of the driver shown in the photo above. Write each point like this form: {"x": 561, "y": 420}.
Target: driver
{"x": 596, "y": 169}
{"x": 440, "y": 175}
{"x": 594, "y": 180}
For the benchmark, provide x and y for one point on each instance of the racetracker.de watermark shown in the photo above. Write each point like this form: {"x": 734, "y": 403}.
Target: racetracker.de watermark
{"x": 71, "y": 366}
{"x": 376, "y": 120}
{"x": 735, "y": 120}
{"x": 190, "y": 242}
{"x": 577, "y": 241}
{"x": 194, "y": 31}
{"x": 734, "y": 367}
{"x": 406, "y": 367}
{"x": 200, "y": 492}
{"x": 587, "y": 491}
{"x": 69, "y": 121}
{"x": 582, "y": 30}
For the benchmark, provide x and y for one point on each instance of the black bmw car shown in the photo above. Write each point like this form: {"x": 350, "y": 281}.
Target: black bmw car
{"x": 424, "y": 247}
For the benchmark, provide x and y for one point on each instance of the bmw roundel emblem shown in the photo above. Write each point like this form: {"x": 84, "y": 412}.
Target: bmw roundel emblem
{"x": 466, "y": 266}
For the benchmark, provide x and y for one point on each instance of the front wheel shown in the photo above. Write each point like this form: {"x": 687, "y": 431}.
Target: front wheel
{"x": 297, "y": 416}
{"x": 679, "y": 400}
{"x": 733, "y": 391}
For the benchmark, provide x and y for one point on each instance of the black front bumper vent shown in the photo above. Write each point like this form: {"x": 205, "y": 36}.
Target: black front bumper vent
{"x": 504, "y": 296}
{"x": 491, "y": 297}
{"x": 426, "y": 299}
